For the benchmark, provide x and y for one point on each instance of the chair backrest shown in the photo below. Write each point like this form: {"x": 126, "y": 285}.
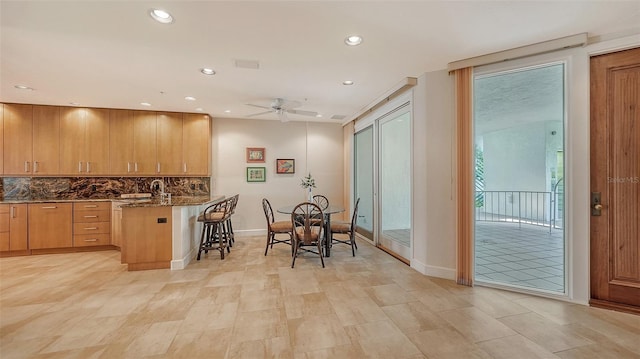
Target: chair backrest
{"x": 234, "y": 202}
{"x": 321, "y": 201}
{"x": 307, "y": 220}
{"x": 217, "y": 211}
{"x": 268, "y": 211}
{"x": 354, "y": 217}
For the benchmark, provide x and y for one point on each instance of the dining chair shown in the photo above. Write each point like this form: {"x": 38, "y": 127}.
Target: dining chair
{"x": 307, "y": 229}
{"x": 321, "y": 201}
{"x": 349, "y": 228}
{"x": 273, "y": 227}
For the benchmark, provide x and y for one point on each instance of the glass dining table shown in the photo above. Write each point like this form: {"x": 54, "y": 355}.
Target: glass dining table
{"x": 327, "y": 223}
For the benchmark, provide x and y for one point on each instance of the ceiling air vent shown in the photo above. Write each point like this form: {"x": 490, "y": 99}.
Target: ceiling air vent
{"x": 338, "y": 117}
{"x": 247, "y": 64}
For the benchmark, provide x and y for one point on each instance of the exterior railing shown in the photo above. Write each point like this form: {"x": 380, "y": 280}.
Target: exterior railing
{"x": 528, "y": 207}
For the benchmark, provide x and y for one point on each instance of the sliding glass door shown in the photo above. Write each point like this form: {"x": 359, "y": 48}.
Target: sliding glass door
{"x": 382, "y": 180}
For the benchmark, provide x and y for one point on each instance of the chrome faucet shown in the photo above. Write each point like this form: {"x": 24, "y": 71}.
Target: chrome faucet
{"x": 160, "y": 184}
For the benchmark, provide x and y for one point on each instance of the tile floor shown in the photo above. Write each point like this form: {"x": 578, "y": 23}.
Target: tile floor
{"x": 528, "y": 256}
{"x": 85, "y": 305}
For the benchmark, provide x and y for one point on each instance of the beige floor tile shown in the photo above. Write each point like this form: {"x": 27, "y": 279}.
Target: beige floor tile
{"x": 260, "y": 299}
{"x": 389, "y": 294}
{"x": 554, "y": 310}
{"x": 304, "y": 305}
{"x": 268, "y": 348}
{"x": 358, "y": 310}
{"x": 414, "y": 317}
{"x": 209, "y": 317}
{"x": 439, "y": 299}
{"x": 155, "y": 341}
{"x": 494, "y": 304}
{"x": 547, "y": 334}
{"x": 24, "y": 348}
{"x": 348, "y": 351}
{"x": 475, "y": 325}
{"x": 203, "y": 344}
{"x": 313, "y": 333}
{"x": 259, "y": 324}
{"x": 515, "y": 346}
{"x": 86, "y": 333}
{"x": 382, "y": 339}
{"x": 446, "y": 343}
{"x": 605, "y": 342}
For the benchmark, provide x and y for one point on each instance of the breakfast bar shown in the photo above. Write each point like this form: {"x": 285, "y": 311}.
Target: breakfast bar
{"x": 162, "y": 233}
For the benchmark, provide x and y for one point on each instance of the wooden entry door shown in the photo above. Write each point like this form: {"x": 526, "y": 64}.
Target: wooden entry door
{"x": 615, "y": 176}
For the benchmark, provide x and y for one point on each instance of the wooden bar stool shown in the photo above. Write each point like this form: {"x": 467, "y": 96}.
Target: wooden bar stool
{"x": 215, "y": 235}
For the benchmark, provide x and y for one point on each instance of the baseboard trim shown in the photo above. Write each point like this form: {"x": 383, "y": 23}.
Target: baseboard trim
{"x": 620, "y": 307}
{"x": 433, "y": 271}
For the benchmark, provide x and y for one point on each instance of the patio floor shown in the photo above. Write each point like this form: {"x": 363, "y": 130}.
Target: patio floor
{"x": 526, "y": 256}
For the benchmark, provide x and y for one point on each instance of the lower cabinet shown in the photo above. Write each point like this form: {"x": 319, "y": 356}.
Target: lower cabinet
{"x": 13, "y": 228}
{"x": 50, "y": 225}
{"x": 91, "y": 224}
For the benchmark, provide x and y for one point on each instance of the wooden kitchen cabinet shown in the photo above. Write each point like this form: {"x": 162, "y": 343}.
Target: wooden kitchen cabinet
{"x": 84, "y": 141}
{"x": 144, "y": 143}
{"x": 121, "y": 160}
{"x": 18, "y": 139}
{"x": 1, "y": 138}
{"x": 91, "y": 224}
{"x": 50, "y": 225}
{"x": 169, "y": 143}
{"x": 13, "y": 228}
{"x": 196, "y": 145}
{"x": 46, "y": 140}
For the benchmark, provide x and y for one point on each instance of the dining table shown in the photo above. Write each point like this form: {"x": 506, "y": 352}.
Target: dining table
{"x": 327, "y": 212}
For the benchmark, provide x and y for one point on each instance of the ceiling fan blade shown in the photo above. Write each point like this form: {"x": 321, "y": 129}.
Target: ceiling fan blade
{"x": 259, "y": 113}
{"x": 260, "y": 106}
{"x": 303, "y": 113}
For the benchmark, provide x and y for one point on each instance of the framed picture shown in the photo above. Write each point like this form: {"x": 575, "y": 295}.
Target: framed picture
{"x": 256, "y": 174}
{"x": 285, "y": 165}
{"x": 255, "y": 155}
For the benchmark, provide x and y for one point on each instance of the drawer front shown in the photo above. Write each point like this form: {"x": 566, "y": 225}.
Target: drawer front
{"x": 4, "y": 208}
{"x": 87, "y": 240}
{"x": 91, "y": 228}
{"x": 4, "y": 222}
{"x": 92, "y": 216}
{"x": 91, "y": 206}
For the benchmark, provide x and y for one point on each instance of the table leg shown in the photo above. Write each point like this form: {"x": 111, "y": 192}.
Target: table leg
{"x": 327, "y": 236}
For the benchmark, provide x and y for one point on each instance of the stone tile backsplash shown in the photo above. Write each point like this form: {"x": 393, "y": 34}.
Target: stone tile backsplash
{"x": 37, "y": 188}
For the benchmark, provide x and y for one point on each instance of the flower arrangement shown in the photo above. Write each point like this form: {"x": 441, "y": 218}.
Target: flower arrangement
{"x": 308, "y": 182}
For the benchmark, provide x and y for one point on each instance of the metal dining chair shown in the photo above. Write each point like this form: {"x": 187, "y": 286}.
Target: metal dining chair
{"x": 340, "y": 227}
{"x": 307, "y": 229}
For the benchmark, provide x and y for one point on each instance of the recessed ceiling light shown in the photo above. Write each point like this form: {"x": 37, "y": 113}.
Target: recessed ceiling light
{"x": 208, "y": 71}
{"x": 318, "y": 115}
{"x": 161, "y": 16}
{"x": 23, "y": 87}
{"x": 227, "y": 111}
{"x": 353, "y": 40}
{"x": 190, "y": 98}
{"x": 73, "y": 103}
{"x": 347, "y": 83}
{"x": 199, "y": 109}
{"x": 145, "y": 104}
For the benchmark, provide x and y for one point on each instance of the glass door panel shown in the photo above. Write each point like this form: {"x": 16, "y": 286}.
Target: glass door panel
{"x": 363, "y": 148}
{"x": 395, "y": 183}
{"x": 519, "y": 118}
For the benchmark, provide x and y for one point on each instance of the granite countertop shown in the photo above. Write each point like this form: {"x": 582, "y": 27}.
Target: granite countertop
{"x": 151, "y": 202}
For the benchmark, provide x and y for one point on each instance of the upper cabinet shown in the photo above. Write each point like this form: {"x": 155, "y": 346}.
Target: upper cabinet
{"x": 196, "y": 146}
{"x": 18, "y": 139}
{"x": 84, "y": 141}
{"x": 169, "y": 143}
{"x": 73, "y": 141}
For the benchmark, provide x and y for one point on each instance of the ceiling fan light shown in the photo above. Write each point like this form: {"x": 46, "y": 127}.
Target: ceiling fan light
{"x": 347, "y": 83}
{"x": 353, "y": 40}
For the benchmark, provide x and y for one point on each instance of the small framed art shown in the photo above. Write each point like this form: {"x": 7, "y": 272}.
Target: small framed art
{"x": 285, "y": 165}
{"x": 256, "y": 174}
{"x": 255, "y": 154}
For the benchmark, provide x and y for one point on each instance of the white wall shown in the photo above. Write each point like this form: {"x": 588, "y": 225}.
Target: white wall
{"x": 434, "y": 221}
{"x": 281, "y": 140}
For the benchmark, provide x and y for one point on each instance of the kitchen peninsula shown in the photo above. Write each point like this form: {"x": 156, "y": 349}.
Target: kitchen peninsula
{"x": 162, "y": 234}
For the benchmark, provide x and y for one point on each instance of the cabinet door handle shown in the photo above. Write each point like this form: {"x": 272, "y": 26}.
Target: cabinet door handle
{"x": 13, "y": 212}
{"x": 35, "y": 166}
{"x": 90, "y": 216}
{"x": 135, "y": 167}
{"x": 26, "y": 166}
{"x": 80, "y": 166}
{"x": 128, "y": 167}
{"x": 185, "y": 167}
{"x": 49, "y": 207}
{"x": 158, "y": 165}
{"x": 91, "y": 240}
{"x": 88, "y": 166}
{"x": 90, "y": 206}
{"x": 91, "y": 228}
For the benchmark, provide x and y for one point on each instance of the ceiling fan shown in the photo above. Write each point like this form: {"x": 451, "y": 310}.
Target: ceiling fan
{"x": 281, "y": 107}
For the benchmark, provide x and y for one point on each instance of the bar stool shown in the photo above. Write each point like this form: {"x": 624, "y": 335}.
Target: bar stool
{"x": 215, "y": 235}
{"x": 232, "y": 211}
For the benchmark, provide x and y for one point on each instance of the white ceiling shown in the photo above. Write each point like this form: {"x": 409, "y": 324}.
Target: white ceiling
{"x": 113, "y": 54}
